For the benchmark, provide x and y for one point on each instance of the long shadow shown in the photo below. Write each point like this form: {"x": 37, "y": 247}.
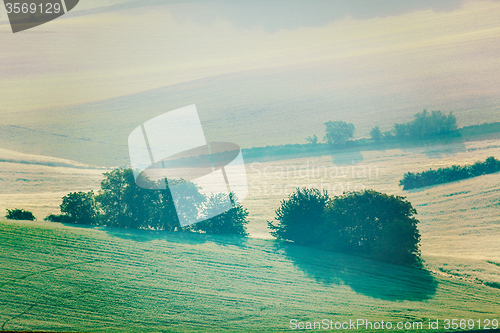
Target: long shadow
{"x": 436, "y": 150}
{"x": 347, "y": 158}
{"x": 191, "y": 238}
{"x": 141, "y": 235}
{"x": 370, "y": 278}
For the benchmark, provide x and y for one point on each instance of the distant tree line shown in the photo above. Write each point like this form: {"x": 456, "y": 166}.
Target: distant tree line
{"x": 450, "y": 174}
{"x": 369, "y": 224}
{"x": 121, "y": 203}
{"x": 338, "y": 135}
{"x": 425, "y": 125}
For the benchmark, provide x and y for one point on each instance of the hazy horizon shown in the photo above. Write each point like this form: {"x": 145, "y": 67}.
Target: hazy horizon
{"x": 127, "y": 48}
{"x": 104, "y": 69}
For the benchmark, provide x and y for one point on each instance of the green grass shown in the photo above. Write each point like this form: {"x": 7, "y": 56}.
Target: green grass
{"x": 63, "y": 278}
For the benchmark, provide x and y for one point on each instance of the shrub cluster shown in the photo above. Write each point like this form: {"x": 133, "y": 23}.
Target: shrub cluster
{"x": 369, "y": 224}
{"x": 338, "y": 132}
{"x": 424, "y": 125}
{"x": 62, "y": 218}
{"x": 121, "y": 203}
{"x": 20, "y": 214}
{"x": 450, "y": 174}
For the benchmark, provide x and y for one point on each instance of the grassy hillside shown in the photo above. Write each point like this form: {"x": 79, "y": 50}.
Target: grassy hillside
{"x": 55, "y": 277}
{"x": 459, "y": 221}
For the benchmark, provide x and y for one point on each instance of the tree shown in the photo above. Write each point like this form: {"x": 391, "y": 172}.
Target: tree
{"x": 189, "y": 202}
{"x": 80, "y": 207}
{"x": 20, "y": 214}
{"x": 401, "y": 131}
{"x": 124, "y": 204}
{"x": 374, "y": 225}
{"x": 337, "y": 132}
{"x": 369, "y": 224}
{"x": 387, "y": 135}
{"x": 231, "y": 222}
{"x": 121, "y": 201}
{"x": 491, "y": 165}
{"x": 299, "y": 216}
{"x": 375, "y": 134}
{"x": 426, "y": 125}
{"x": 312, "y": 140}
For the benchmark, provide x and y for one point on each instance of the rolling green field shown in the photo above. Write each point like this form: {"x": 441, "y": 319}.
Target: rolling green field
{"x": 64, "y": 278}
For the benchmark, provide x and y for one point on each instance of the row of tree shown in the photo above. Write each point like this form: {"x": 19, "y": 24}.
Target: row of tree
{"x": 450, "y": 174}
{"x": 370, "y": 224}
{"x": 121, "y": 203}
{"x": 424, "y": 125}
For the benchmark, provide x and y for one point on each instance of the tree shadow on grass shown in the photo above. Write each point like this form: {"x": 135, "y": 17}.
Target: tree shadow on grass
{"x": 429, "y": 187}
{"x": 191, "y": 238}
{"x": 370, "y": 278}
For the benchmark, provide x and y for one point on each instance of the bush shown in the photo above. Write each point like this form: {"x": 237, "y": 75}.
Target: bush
{"x": 374, "y": 225}
{"x": 426, "y": 125}
{"x": 58, "y": 218}
{"x": 122, "y": 203}
{"x": 299, "y": 216}
{"x": 369, "y": 224}
{"x": 20, "y": 214}
{"x": 231, "y": 222}
{"x": 79, "y": 207}
{"x": 445, "y": 175}
{"x": 375, "y": 134}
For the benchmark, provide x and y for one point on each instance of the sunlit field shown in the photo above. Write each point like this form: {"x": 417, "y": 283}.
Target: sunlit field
{"x": 38, "y": 183}
{"x": 65, "y": 278}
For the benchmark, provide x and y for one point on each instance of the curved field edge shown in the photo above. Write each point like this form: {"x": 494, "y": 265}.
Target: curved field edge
{"x": 62, "y": 278}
